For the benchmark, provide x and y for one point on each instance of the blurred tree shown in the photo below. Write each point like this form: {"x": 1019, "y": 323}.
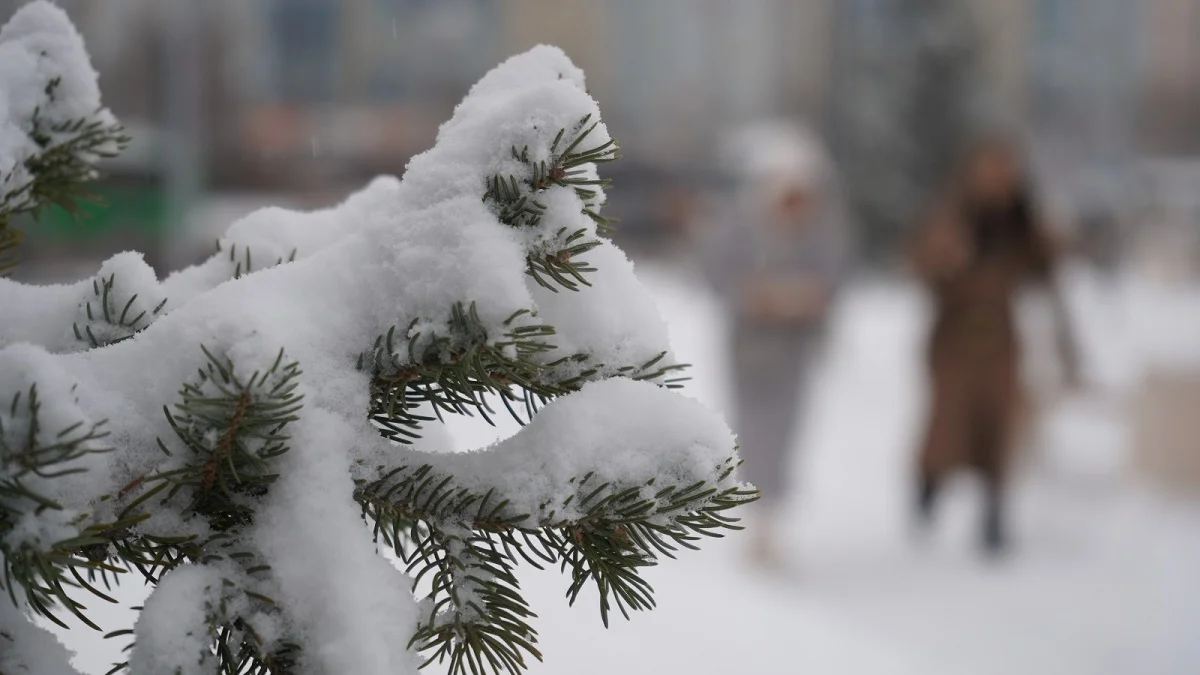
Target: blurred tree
{"x": 911, "y": 89}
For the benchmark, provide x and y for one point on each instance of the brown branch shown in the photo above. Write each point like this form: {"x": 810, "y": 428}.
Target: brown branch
{"x": 213, "y": 466}
{"x": 130, "y": 486}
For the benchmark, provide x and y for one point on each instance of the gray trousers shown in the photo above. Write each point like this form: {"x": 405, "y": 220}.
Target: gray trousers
{"x": 771, "y": 372}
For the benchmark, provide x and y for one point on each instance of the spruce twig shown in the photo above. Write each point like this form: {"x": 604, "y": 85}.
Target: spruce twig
{"x": 472, "y": 542}
{"x": 64, "y": 163}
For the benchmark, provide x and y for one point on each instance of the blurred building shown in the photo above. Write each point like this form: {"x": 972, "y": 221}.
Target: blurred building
{"x": 1170, "y": 93}
{"x": 301, "y": 94}
{"x": 671, "y": 66}
{"x": 670, "y": 72}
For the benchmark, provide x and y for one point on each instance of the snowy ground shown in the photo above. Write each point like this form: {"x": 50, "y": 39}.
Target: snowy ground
{"x": 1106, "y": 578}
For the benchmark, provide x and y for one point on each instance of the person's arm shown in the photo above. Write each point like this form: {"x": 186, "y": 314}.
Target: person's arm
{"x": 1047, "y": 255}
{"x": 807, "y": 294}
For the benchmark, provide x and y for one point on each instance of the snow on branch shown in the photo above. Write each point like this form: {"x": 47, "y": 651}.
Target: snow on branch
{"x": 224, "y": 433}
{"x": 124, "y": 296}
{"x": 52, "y": 126}
{"x": 27, "y": 648}
{"x": 603, "y": 482}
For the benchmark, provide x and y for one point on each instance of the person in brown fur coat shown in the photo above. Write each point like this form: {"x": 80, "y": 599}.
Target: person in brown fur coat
{"x": 978, "y": 248}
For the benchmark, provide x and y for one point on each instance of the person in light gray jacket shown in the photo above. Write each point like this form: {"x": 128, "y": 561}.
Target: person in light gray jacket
{"x": 777, "y": 262}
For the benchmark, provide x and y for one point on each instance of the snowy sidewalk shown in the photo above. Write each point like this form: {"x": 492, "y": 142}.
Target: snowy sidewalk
{"x": 1106, "y": 579}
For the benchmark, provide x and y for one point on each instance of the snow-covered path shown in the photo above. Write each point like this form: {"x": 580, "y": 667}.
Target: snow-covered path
{"x": 1106, "y": 579}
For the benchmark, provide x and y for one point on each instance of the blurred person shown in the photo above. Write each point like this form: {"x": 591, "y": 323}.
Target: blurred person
{"x": 776, "y": 261}
{"x": 981, "y": 244}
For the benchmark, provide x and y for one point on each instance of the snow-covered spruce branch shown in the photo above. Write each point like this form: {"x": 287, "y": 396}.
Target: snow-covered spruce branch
{"x": 471, "y": 542}
{"x": 466, "y": 372}
{"x": 52, "y": 126}
{"x": 125, "y": 296}
{"x": 226, "y": 445}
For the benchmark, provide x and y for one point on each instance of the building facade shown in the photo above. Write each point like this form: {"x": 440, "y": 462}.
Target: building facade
{"x": 1122, "y": 74}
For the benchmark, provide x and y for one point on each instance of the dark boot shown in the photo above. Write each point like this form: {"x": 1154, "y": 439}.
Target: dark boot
{"x": 990, "y": 449}
{"x": 927, "y": 492}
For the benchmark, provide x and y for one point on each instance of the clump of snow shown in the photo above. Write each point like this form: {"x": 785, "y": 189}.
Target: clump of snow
{"x": 614, "y": 320}
{"x": 114, "y": 312}
{"x": 45, "y": 74}
{"x": 175, "y": 628}
{"x": 279, "y": 234}
{"x": 58, "y": 412}
{"x": 28, "y": 649}
{"x": 398, "y": 255}
{"x": 41, "y": 530}
{"x": 621, "y": 431}
{"x": 357, "y": 622}
{"x": 46, "y": 314}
